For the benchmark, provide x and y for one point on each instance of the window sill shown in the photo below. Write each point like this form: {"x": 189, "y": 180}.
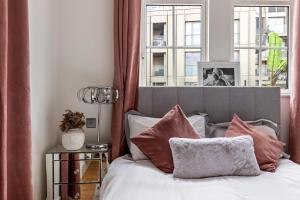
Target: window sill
{"x": 285, "y": 93}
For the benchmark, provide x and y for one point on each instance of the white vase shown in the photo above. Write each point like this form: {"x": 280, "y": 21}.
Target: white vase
{"x": 73, "y": 139}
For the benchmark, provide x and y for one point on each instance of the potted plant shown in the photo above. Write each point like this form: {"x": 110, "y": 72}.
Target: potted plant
{"x": 73, "y": 136}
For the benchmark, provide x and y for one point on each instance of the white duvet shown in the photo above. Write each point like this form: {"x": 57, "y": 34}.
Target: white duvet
{"x": 130, "y": 180}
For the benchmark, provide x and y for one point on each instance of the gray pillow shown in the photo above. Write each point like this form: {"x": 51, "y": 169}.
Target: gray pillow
{"x": 218, "y": 130}
{"x": 208, "y": 157}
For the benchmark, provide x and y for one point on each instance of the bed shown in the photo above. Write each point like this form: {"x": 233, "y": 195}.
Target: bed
{"x": 135, "y": 180}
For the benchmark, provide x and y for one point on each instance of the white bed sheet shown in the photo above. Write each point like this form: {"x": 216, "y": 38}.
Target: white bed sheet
{"x": 129, "y": 180}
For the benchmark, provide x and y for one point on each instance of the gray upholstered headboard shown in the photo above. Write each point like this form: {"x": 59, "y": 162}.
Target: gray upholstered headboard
{"x": 220, "y": 103}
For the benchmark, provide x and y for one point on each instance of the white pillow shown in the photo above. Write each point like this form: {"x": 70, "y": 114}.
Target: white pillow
{"x": 267, "y": 130}
{"x": 138, "y": 124}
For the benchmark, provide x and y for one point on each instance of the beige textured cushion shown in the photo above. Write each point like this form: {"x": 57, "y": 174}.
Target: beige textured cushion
{"x": 207, "y": 157}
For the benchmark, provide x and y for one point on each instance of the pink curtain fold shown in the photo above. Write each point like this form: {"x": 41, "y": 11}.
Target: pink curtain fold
{"x": 15, "y": 124}
{"x": 127, "y": 14}
{"x": 294, "y": 141}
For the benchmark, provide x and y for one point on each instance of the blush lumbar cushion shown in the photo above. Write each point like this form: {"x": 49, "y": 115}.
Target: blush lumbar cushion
{"x": 208, "y": 157}
{"x": 154, "y": 142}
{"x": 268, "y": 151}
{"x": 138, "y": 124}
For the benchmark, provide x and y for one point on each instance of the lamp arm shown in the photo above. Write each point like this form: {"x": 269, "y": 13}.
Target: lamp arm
{"x": 98, "y": 123}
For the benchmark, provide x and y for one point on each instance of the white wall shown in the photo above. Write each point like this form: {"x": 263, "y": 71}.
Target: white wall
{"x": 71, "y": 46}
{"x": 43, "y": 17}
{"x": 86, "y": 57}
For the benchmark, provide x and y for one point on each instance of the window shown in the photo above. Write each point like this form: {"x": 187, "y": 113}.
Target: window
{"x": 276, "y": 25}
{"x": 158, "y": 84}
{"x": 236, "y": 31}
{"x": 176, "y": 36}
{"x": 174, "y": 44}
{"x": 158, "y": 64}
{"x": 276, "y": 9}
{"x": 192, "y": 33}
{"x": 159, "y": 34}
{"x": 191, "y": 63}
{"x": 263, "y": 53}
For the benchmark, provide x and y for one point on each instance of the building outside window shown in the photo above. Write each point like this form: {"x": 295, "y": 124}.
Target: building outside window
{"x": 276, "y": 9}
{"x": 158, "y": 84}
{"x": 158, "y": 64}
{"x": 174, "y": 44}
{"x": 191, "y": 63}
{"x": 263, "y": 45}
{"x": 159, "y": 34}
{"x": 193, "y": 33}
{"x": 236, "y": 31}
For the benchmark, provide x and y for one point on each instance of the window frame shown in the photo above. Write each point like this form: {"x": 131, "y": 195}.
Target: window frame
{"x": 270, "y": 3}
{"x": 143, "y": 46}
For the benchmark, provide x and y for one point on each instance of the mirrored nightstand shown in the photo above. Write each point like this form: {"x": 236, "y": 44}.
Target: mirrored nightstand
{"x": 75, "y": 174}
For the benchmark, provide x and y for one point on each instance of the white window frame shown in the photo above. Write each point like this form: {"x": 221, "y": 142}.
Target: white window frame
{"x": 287, "y": 3}
{"x": 143, "y": 45}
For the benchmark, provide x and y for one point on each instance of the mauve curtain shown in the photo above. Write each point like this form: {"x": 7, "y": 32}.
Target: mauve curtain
{"x": 15, "y": 130}
{"x": 127, "y": 14}
{"x": 294, "y": 144}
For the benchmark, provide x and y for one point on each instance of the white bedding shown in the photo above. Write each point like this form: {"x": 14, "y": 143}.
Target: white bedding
{"x": 129, "y": 180}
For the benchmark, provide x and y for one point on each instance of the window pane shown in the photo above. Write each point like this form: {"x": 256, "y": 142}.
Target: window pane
{"x": 265, "y": 63}
{"x": 188, "y": 25}
{"x": 275, "y": 23}
{"x": 196, "y": 28}
{"x": 193, "y": 36}
{"x": 159, "y": 25}
{"x": 191, "y": 63}
{"x": 187, "y": 66}
{"x": 275, "y": 66}
{"x": 246, "y": 25}
{"x": 159, "y": 35}
{"x": 188, "y": 28}
{"x": 248, "y": 59}
{"x": 188, "y": 40}
{"x": 236, "y": 56}
{"x": 236, "y": 31}
{"x": 158, "y": 64}
{"x": 165, "y": 63}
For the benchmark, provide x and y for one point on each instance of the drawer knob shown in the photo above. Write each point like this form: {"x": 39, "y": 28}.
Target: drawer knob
{"x": 76, "y": 171}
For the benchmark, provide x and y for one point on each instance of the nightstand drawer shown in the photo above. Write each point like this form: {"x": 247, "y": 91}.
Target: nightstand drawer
{"x": 77, "y": 191}
{"x": 80, "y": 171}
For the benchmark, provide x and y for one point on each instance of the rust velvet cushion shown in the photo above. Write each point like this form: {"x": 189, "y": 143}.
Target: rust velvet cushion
{"x": 154, "y": 142}
{"x": 267, "y": 150}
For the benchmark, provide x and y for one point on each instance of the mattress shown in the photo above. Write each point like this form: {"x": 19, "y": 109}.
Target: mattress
{"x": 130, "y": 180}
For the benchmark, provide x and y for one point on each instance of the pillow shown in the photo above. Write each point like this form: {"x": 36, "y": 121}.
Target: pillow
{"x": 266, "y": 126}
{"x": 199, "y": 158}
{"x": 138, "y": 124}
{"x": 267, "y": 150}
{"x": 154, "y": 142}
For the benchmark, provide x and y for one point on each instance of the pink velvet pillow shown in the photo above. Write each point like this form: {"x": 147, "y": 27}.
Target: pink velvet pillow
{"x": 267, "y": 150}
{"x": 154, "y": 142}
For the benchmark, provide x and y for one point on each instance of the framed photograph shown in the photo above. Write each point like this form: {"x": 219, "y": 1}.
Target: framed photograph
{"x": 219, "y": 73}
